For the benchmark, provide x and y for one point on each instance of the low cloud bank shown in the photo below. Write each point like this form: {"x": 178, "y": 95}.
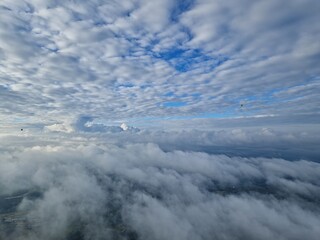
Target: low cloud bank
{"x": 139, "y": 191}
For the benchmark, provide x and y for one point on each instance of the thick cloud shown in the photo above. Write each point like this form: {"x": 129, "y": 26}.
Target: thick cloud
{"x": 138, "y": 191}
{"x": 292, "y": 143}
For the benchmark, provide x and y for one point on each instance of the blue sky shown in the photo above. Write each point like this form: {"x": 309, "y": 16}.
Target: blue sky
{"x": 117, "y": 61}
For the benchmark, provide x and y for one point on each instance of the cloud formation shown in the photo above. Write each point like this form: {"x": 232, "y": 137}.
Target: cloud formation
{"x": 139, "y": 191}
{"x": 161, "y": 119}
{"x": 119, "y": 60}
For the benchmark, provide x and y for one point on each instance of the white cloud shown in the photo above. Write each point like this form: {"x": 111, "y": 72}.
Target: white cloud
{"x": 105, "y": 190}
{"x": 121, "y": 60}
{"x": 124, "y": 126}
{"x": 59, "y": 127}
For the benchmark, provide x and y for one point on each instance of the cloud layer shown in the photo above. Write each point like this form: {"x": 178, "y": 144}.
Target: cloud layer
{"x": 139, "y": 191}
{"x": 137, "y": 59}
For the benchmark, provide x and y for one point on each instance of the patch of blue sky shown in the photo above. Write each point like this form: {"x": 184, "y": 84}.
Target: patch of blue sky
{"x": 184, "y": 60}
{"x": 178, "y": 57}
{"x": 99, "y": 23}
{"x": 174, "y": 104}
{"x": 78, "y": 16}
{"x": 53, "y": 49}
{"x": 171, "y": 54}
{"x": 125, "y": 85}
{"x": 145, "y": 86}
{"x": 195, "y": 95}
{"x": 169, "y": 94}
{"x": 181, "y": 7}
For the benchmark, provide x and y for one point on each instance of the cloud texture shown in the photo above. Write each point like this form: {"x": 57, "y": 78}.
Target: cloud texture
{"x": 138, "y": 119}
{"x": 139, "y": 191}
{"x": 123, "y": 60}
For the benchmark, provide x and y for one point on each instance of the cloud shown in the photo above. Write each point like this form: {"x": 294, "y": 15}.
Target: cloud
{"x": 59, "y": 127}
{"x": 88, "y": 124}
{"x": 119, "y": 61}
{"x": 247, "y": 142}
{"x": 159, "y": 119}
{"x": 133, "y": 191}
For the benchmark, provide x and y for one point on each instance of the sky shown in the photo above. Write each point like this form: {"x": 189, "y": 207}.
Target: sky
{"x": 162, "y": 119}
{"x": 144, "y": 62}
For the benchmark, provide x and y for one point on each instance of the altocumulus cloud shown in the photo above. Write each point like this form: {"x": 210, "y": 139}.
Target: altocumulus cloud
{"x": 139, "y": 191}
{"x": 131, "y": 59}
